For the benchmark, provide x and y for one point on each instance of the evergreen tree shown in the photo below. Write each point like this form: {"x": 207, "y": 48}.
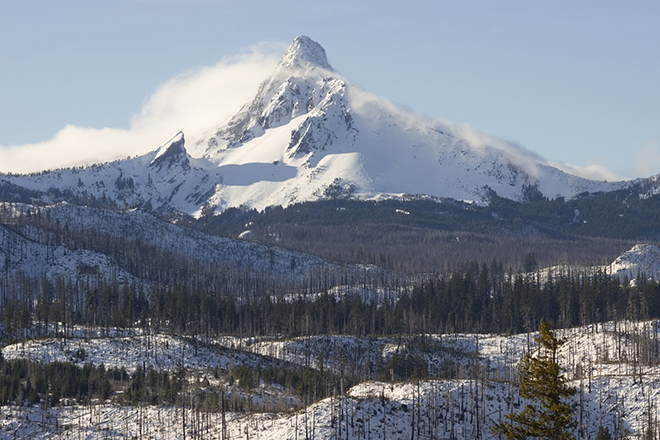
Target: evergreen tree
{"x": 603, "y": 434}
{"x": 549, "y": 416}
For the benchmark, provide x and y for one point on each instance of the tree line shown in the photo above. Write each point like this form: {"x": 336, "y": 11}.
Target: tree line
{"x": 481, "y": 299}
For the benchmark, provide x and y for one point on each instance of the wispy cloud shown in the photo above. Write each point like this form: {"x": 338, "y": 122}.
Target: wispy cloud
{"x": 647, "y": 160}
{"x": 192, "y": 101}
{"x": 480, "y": 141}
{"x": 593, "y": 172}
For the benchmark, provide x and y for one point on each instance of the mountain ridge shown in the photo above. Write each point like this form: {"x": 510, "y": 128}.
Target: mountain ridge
{"x": 309, "y": 134}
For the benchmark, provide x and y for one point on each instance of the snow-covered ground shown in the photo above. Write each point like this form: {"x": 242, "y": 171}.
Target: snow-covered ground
{"x": 442, "y": 409}
{"x": 205, "y": 248}
{"x": 160, "y": 352}
{"x": 22, "y": 255}
{"x": 29, "y": 255}
{"x": 606, "y": 349}
{"x": 615, "y": 365}
{"x": 641, "y": 260}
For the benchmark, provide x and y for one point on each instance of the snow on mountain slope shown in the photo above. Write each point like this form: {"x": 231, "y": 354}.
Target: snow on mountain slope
{"x": 166, "y": 179}
{"x": 83, "y": 264}
{"x": 335, "y": 139}
{"x": 22, "y": 255}
{"x": 310, "y": 134}
{"x": 31, "y": 244}
{"x": 193, "y": 244}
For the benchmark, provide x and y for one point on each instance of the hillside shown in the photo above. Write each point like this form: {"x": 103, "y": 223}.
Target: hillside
{"x": 87, "y": 246}
{"x": 422, "y": 235}
{"x": 470, "y": 383}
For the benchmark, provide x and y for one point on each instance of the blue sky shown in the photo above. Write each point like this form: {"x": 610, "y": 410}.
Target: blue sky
{"x": 575, "y": 82}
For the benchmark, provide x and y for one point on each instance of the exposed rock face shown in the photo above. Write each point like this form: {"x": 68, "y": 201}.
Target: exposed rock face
{"x": 172, "y": 154}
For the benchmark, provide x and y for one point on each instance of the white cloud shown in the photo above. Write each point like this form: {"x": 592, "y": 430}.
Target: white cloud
{"x": 647, "y": 160}
{"x": 593, "y": 172}
{"x": 193, "y": 101}
{"x": 477, "y": 139}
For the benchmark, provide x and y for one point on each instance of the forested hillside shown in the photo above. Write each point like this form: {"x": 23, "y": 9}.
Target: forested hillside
{"x": 423, "y": 235}
{"x": 321, "y": 314}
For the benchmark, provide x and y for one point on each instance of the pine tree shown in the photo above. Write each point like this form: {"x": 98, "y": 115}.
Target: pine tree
{"x": 603, "y": 434}
{"x": 549, "y": 416}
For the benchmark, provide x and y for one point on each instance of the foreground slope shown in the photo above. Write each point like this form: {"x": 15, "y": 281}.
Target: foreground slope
{"x": 614, "y": 365}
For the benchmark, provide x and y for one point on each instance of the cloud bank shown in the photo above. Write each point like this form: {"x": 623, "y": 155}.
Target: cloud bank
{"x": 192, "y": 102}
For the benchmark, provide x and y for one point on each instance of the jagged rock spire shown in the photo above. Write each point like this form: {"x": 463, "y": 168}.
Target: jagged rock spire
{"x": 174, "y": 151}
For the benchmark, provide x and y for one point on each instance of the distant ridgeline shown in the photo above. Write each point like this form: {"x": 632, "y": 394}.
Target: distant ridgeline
{"x": 426, "y": 235}
{"x": 619, "y": 214}
{"x": 394, "y": 233}
{"x": 622, "y": 214}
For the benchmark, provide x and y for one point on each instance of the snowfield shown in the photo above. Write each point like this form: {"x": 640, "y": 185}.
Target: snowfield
{"x": 614, "y": 392}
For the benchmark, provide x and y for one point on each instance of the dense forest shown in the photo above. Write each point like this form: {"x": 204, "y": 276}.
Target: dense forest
{"x": 423, "y": 235}
{"x": 483, "y": 299}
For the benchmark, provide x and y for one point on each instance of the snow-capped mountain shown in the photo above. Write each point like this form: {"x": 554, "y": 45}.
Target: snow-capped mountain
{"x": 166, "y": 179}
{"x": 310, "y": 134}
{"x": 326, "y": 137}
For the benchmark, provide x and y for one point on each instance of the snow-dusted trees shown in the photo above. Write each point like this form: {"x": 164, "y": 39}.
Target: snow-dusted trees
{"x": 549, "y": 416}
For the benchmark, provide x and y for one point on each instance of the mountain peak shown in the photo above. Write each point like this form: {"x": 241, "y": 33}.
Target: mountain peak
{"x": 171, "y": 152}
{"x": 304, "y": 53}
